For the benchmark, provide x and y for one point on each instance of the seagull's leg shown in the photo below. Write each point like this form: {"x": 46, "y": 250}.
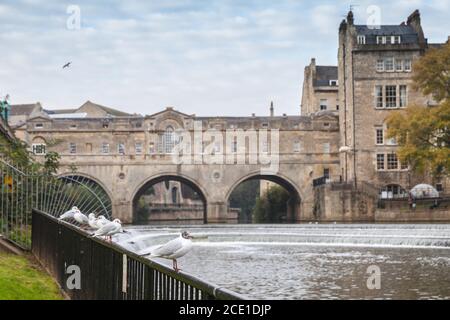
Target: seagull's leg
{"x": 176, "y": 265}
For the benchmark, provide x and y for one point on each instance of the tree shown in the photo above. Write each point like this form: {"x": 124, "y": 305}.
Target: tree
{"x": 432, "y": 73}
{"x": 244, "y": 197}
{"x": 422, "y": 132}
{"x": 51, "y": 163}
{"x": 272, "y": 206}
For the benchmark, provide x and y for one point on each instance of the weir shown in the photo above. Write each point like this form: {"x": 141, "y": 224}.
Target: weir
{"x": 388, "y": 235}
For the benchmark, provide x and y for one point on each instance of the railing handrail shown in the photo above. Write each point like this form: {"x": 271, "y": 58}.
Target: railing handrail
{"x": 209, "y": 288}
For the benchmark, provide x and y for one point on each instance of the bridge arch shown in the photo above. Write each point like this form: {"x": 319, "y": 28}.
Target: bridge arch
{"x": 296, "y": 196}
{"x": 165, "y": 177}
{"x": 90, "y": 194}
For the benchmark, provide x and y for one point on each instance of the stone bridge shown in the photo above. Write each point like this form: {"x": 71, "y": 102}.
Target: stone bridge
{"x": 126, "y": 155}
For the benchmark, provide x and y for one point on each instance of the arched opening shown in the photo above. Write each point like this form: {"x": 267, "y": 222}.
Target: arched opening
{"x": 85, "y": 193}
{"x": 265, "y": 199}
{"x": 171, "y": 199}
{"x": 175, "y": 195}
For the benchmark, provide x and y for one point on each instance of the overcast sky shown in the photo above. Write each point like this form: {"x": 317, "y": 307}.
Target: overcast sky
{"x": 208, "y": 57}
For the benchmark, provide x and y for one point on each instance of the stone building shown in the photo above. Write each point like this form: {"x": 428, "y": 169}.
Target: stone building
{"x": 335, "y": 159}
{"x": 320, "y": 89}
{"x": 375, "y": 78}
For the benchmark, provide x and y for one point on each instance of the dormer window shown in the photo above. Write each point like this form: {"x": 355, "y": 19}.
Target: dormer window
{"x": 39, "y": 126}
{"x": 389, "y": 39}
{"x": 361, "y": 39}
{"x": 381, "y": 40}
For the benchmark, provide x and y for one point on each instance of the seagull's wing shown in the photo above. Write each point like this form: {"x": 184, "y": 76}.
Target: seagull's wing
{"x": 67, "y": 214}
{"x": 168, "y": 249}
{"x": 85, "y": 219}
{"x": 93, "y": 223}
{"x": 107, "y": 228}
{"x": 115, "y": 230}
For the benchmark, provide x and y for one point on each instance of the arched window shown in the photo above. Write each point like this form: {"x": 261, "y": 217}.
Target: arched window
{"x": 167, "y": 140}
{"x": 174, "y": 195}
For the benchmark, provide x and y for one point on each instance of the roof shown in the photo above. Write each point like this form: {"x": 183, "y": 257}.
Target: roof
{"x": 110, "y": 111}
{"x": 407, "y": 33}
{"x": 23, "y": 109}
{"x": 169, "y": 109}
{"x": 324, "y": 74}
{"x": 60, "y": 111}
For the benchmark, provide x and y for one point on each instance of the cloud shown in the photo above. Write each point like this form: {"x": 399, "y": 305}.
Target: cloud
{"x": 208, "y": 57}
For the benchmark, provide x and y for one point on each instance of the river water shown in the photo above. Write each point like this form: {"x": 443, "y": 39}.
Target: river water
{"x": 313, "y": 261}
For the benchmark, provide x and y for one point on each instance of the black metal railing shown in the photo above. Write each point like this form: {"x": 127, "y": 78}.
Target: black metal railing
{"x": 25, "y": 187}
{"x": 108, "y": 271}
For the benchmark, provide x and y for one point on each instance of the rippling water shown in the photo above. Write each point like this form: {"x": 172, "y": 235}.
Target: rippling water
{"x": 313, "y": 261}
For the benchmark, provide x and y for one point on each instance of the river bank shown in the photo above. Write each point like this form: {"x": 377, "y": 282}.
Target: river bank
{"x": 21, "y": 278}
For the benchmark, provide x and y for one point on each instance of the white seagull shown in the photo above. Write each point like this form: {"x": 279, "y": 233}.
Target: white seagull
{"x": 101, "y": 221}
{"x": 81, "y": 218}
{"x": 93, "y": 221}
{"x": 69, "y": 214}
{"x": 108, "y": 230}
{"x": 174, "y": 249}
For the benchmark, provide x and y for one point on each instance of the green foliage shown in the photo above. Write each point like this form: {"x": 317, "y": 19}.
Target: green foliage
{"x": 73, "y": 168}
{"x": 272, "y": 206}
{"x": 423, "y": 133}
{"x": 432, "y": 73}
{"x": 424, "y": 137}
{"x": 142, "y": 209}
{"x": 244, "y": 197}
{"x": 15, "y": 150}
{"x": 51, "y": 163}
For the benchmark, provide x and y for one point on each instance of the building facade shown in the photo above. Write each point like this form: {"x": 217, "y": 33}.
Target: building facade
{"x": 320, "y": 89}
{"x": 375, "y": 78}
{"x": 339, "y": 140}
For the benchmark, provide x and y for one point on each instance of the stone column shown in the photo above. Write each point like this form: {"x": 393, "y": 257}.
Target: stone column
{"x": 217, "y": 212}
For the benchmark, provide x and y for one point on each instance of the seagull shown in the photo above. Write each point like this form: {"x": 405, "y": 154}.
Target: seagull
{"x": 66, "y": 65}
{"x": 108, "y": 230}
{"x": 69, "y": 214}
{"x": 81, "y": 218}
{"x": 93, "y": 221}
{"x": 101, "y": 221}
{"x": 174, "y": 249}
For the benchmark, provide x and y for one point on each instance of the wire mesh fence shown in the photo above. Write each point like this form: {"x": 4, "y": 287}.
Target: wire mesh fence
{"x": 26, "y": 187}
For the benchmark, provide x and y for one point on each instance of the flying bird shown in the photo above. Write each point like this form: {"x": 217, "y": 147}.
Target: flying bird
{"x": 69, "y": 214}
{"x": 174, "y": 249}
{"x": 66, "y": 65}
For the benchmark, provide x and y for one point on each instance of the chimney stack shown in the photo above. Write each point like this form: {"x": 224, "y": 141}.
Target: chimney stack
{"x": 350, "y": 19}
{"x": 271, "y": 109}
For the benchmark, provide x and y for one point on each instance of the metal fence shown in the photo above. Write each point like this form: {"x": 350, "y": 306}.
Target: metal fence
{"x": 108, "y": 271}
{"x": 27, "y": 187}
